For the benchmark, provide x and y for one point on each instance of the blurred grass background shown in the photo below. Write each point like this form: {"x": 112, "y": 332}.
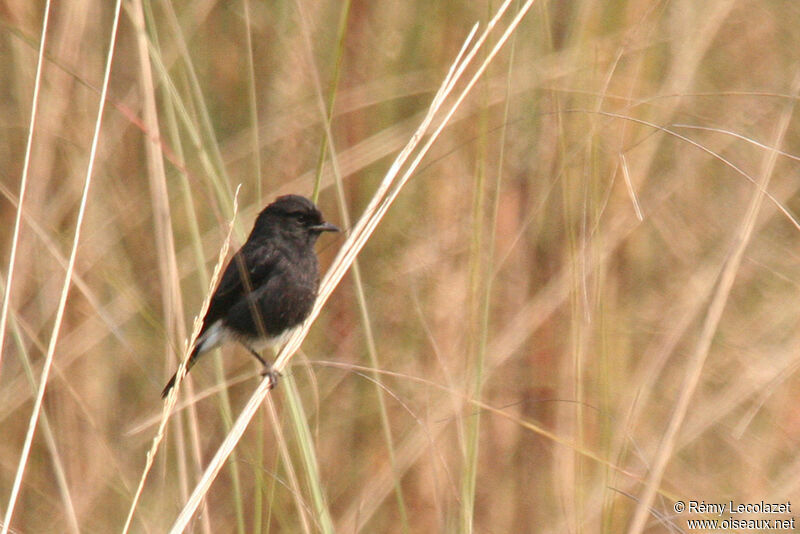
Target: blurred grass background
{"x": 556, "y": 259}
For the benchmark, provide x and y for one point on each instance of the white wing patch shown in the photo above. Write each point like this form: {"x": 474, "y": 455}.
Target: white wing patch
{"x": 213, "y": 337}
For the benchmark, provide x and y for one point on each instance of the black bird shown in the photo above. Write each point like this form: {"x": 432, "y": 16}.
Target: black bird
{"x": 270, "y": 284}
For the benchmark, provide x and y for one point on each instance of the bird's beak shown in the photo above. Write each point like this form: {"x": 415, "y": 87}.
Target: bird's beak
{"x": 325, "y": 227}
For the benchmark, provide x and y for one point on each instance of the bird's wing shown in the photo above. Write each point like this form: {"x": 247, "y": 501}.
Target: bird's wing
{"x": 245, "y": 272}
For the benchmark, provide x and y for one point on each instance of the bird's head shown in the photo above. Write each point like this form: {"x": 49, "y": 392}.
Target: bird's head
{"x": 292, "y": 215}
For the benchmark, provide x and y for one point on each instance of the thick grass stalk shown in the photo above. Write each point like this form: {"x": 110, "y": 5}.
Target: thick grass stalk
{"x": 173, "y": 136}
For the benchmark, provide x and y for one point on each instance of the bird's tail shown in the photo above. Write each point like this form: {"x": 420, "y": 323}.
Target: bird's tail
{"x": 189, "y": 365}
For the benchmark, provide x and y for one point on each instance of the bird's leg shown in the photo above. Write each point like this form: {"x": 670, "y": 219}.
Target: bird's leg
{"x": 268, "y": 370}
{"x": 256, "y": 355}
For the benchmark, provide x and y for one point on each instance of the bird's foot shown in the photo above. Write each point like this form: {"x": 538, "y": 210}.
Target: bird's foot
{"x": 273, "y": 375}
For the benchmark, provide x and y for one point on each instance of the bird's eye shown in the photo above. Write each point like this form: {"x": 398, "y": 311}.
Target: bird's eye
{"x": 304, "y": 218}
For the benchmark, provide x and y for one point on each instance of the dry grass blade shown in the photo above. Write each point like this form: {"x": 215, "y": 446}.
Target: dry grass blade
{"x": 181, "y": 372}
{"x": 695, "y": 367}
{"x": 629, "y": 186}
{"x": 23, "y": 181}
{"x": 48, "y": 362}
{"x": 783, "y": 209}
{"x": 381, "y": 200}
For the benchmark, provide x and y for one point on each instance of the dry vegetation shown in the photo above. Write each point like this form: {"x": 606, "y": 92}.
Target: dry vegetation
{"x": 580, "y": 309}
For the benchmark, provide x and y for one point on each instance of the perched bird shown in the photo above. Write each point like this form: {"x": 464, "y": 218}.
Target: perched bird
{"x": 270, "y": 284}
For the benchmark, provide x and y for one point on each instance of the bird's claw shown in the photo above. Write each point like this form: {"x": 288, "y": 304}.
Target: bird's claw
{"x": 273, "y": 376}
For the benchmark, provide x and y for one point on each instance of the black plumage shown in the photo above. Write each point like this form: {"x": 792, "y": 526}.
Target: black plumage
{"x": 270, "y": 284}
